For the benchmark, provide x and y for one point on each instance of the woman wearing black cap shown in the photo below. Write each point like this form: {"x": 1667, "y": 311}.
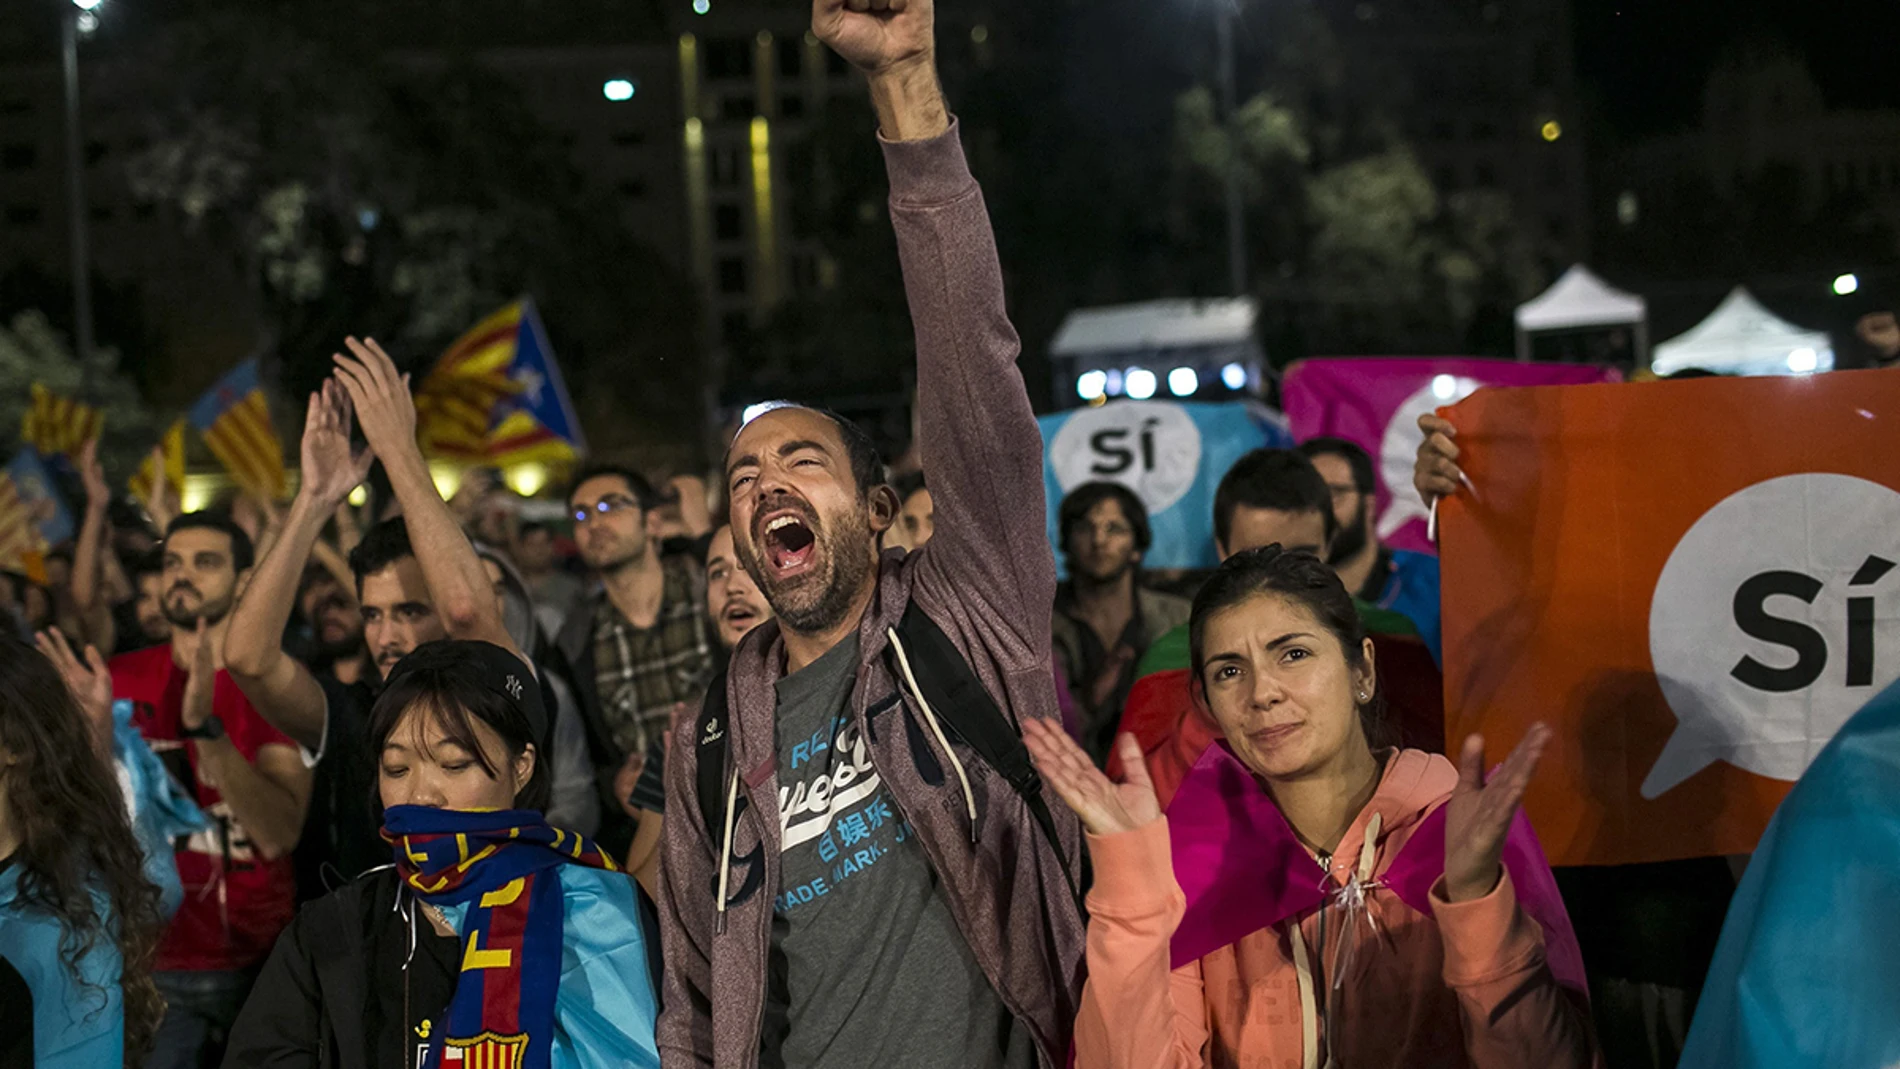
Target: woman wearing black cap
{"x": 494, "y": 939}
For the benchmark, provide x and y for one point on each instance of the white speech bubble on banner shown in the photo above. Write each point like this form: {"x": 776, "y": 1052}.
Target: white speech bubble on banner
{"x": 1151, "y": 447}
{"x": 1775, "y": 619}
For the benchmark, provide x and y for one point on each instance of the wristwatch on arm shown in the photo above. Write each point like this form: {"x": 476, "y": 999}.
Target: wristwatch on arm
{"x": 212, "y": 728}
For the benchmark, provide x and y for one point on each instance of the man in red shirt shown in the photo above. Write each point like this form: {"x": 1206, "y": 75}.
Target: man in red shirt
{"x": 247, "y": 777}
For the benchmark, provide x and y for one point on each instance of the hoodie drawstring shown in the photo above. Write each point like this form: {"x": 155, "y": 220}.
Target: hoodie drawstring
{"x": 930, "y": 717}
{"x": 1366, "y": 848}
{"x": 1309, "y": 1019}
{"x": 1352, "y": 895}
{"x": 725, "y": 852}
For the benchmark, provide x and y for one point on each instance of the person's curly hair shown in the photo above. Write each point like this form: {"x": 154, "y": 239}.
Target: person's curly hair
{"x": 75, "y": 839}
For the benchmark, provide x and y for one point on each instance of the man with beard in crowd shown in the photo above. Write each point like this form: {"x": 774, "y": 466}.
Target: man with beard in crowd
{"x": 1396, "y": 579}
{"x": 639, "y": 644}
{"x": 335, "y": 621}
{"x": 243, "y": 773}
{"x": 1104, "y": 618}
{"x": 881, "y": 895}
{"x": 735, "y": 606}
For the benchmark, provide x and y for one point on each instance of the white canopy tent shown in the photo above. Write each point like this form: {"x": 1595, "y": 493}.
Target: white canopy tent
{"x": 1581, "y": 301}
{"x": 1742, "y": 338}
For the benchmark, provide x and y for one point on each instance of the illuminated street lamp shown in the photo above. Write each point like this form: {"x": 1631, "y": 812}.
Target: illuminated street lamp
{"x": 83, "y": 18}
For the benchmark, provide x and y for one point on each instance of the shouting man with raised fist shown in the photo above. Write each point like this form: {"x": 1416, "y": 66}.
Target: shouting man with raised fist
{"x": 860, "y": 869}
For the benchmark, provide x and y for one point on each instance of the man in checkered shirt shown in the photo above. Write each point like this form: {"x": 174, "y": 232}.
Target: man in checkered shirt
{"x": 640, "y": 643}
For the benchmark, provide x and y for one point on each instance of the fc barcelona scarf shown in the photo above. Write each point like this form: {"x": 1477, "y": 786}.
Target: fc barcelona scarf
{"x": 504, "y": 865}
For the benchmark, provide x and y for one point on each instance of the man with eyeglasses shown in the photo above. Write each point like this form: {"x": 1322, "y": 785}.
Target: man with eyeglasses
{"x": 638, "y": 643}
{"x": 1396, "y": 579}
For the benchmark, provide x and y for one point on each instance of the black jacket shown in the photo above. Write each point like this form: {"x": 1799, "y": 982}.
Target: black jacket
{"x": 336, "y": 975}
{"x": 310, "y": 1007}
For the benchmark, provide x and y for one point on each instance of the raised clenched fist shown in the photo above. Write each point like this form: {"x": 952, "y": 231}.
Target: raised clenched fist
{"x": 877, "y": 36}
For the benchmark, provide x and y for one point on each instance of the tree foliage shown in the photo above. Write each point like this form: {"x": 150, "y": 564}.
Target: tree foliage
{"x": 402, "y": 198}
{"x": 1363, "y": 253}
{"x": 32, "y": 351}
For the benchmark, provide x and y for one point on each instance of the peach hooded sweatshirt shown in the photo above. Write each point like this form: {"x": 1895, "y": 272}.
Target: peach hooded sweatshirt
{"x": 1380, "y": 985}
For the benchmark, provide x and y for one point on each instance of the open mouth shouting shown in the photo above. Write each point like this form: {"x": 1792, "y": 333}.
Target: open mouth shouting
{"x": 788, "y": 543}
{"x": 738, "y": 616}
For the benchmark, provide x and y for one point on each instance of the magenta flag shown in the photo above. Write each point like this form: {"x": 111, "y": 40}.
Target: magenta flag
{"x": 1241, "y": 868}
{"x": 1376, "y": 401}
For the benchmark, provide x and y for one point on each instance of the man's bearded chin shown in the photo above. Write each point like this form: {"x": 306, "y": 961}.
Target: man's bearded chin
{"x": 1353, "y": 537}
{"x": 818, "y": 600}
{"x": 329, "y": 653}
{"x": 1113, "y": 575}
{"x": 617, "y": 557}
{"x": 211, "y": 612}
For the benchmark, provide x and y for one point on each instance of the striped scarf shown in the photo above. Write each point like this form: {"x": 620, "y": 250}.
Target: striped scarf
{"x": 502, "y": 863}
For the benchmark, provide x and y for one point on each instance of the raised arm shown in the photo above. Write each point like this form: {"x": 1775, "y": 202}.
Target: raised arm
{"x": 267, "y": 793}
{"x": 981, "y": 448}
{"x": 458, "y": 584}
{"x": 88, "y": 556}
{"x": 283, "y": 690}
{"x": 1137, "y": 1013}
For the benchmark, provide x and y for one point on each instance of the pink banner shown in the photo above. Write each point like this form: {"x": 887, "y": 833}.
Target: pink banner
{"x": 1376, "y": 401}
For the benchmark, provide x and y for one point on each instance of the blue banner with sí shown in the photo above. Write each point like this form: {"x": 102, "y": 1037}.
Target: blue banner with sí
{"x": 1171, "y": 454}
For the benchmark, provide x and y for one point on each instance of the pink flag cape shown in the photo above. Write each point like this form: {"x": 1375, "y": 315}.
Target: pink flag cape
{"x": 1376, "y": 401}
{"x": 1242, "y": 870}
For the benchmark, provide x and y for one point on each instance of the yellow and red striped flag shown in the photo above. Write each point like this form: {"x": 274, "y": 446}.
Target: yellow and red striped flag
{"x": 56, "y": 424}
{"x": 497, "y": 396}
{"x": 457, "y": 399}
{"x": 234, "y": 418}
{"x": 172, "y": 448}
{"x": 21, "y": 548}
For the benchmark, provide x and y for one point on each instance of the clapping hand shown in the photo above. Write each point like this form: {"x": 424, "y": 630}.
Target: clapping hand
{"x": 380, "y": 396}
{"x": 93, "y": 475}
{"x": 89, "y": 680}
{"x": 162, "y": 504}
{"x": 201, "y": 687}
{"x": 331, "y": 467}
{"x": 1478, "y": 817}
{"x": 1105, "y": 807}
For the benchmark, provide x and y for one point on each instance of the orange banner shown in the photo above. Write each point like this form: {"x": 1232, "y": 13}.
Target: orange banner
{"x": 1694, "y": 582}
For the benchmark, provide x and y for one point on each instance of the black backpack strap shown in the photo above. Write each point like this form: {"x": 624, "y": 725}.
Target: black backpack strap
{"x": 710, "y": 735}
{"x": 966, "y": 709}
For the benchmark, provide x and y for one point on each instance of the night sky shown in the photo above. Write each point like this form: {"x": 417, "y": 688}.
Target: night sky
{"x": 1644, "y": 61}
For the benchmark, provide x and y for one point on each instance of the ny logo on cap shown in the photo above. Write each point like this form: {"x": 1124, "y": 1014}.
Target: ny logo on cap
{"x": 514, "y": 687}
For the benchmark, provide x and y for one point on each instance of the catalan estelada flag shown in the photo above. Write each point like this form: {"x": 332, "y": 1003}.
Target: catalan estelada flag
{"x": 234, "y": 419}
{"x": 32, "y": 516}
{"x": 497, "y": 396}
{"x": 1694, "y": 583}
{"x": 57, "y": 425}
{"x": 172, "y": 448}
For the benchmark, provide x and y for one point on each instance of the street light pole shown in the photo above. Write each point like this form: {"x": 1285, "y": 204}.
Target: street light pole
{"x": 76, "y": 208}
{"x": 1227, "y": 12}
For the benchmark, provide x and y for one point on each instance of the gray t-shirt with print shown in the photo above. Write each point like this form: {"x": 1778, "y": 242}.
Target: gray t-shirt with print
{"x": 868, "y": 968}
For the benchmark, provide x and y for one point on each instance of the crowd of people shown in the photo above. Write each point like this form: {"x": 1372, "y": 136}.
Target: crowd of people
{"x": 279, "y": 788}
